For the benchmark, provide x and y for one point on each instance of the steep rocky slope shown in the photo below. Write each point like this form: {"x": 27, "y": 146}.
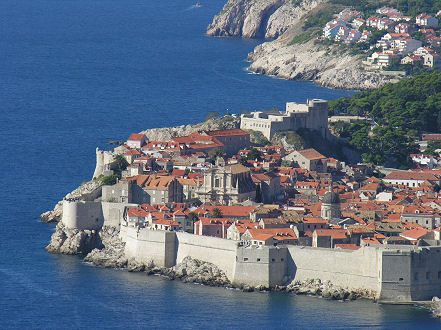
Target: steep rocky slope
{"x": 310, "y": 61}
{"x": 259, "y": 18}
{"x": 305, "y": 60}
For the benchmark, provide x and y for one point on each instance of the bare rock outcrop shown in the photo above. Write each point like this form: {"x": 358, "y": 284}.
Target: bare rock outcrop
{"x": 258, "y": 19}
{"x": 196, "y": 271}
{"x": 86, "y": 191}
{"x": 435, "y": 306}
{"x": 73, "y": 241}
{"x": 327, "y": 290}
{"x": 111, "y": 252}
{"x": 167, "y": 133}
{"x": 311, "y": 61}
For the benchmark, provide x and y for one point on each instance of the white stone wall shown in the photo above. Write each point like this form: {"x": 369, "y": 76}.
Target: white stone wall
{"x": 150, "y": 245}
{"x": 351, "y": 269}
{"x": 82, "y": 215}
{"x": 218, "y": 251}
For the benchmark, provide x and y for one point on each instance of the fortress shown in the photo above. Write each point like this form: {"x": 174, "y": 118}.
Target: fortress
{"x": 392, "y": 274}
{"x": 312, "y": 115}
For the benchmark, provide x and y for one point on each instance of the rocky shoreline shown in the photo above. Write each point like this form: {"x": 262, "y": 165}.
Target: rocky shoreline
{"x": 327, "y": 66}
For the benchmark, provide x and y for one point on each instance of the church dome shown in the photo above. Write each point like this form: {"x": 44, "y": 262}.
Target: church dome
{"x": 331, "y": 198}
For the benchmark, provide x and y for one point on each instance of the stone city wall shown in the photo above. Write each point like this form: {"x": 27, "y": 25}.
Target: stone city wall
{"x": 411, "y": 274}
{"x": 83, "y": 215}
{"x": 146, "y": 245}
{"x": 218, "y": 251}
{"x": 349, "y": 269}
{"x": 261, "y": 266}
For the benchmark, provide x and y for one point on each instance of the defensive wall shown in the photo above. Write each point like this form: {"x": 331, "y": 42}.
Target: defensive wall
{"x": 86, "y": 215}
{"x": 392, "y": 274}
{"x": 350, "y": 269}
{"x": 411, "y": 274}
{"x": 312, "y": 115}
{"x": 218, "y": 251}
{"x": 104, "y": 159}
{"x": 83, "y": 215}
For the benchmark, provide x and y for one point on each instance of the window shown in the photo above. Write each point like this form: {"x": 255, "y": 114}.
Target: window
{"x": 282, "y": 259}
{"x": 416, "y": 276}
{"x": 401, "y": 279}
{"x": 245, "y": 259}
{"x": 216, "y": 182}
{"x": 439, "y": 275}
{"x": 258, "y": 259}
{"x": 427, "y": 275}
{"x": 273, "y": 260}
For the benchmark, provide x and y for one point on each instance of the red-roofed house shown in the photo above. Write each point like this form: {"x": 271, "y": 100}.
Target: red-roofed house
{"x": 136, "y": 140}
{"x": 327, "y": 238}
{"x": 410, "y": 178}
{"x": 309, "y": 159}
{"x": 215, "y": 227}
{"x": 416, "y": 234}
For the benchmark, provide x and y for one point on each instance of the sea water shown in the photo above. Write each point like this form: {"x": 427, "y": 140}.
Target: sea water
{"x": 75, "y": 74}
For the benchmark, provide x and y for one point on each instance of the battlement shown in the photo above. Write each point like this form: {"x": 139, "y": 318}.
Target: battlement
{"x": 313, "y": 114}
{"x": 399, "y": 274}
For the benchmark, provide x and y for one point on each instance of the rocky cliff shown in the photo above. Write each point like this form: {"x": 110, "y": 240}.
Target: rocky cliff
{"x": 73, "y": 241}
{"x": 259, "y": 18}
{"x": 328, "y": 66}
{"x": 167, "y": 133}
{"x": 311, "y": 61}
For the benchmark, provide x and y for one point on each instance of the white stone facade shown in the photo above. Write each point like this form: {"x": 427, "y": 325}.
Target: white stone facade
{"x": 312, "y": 115}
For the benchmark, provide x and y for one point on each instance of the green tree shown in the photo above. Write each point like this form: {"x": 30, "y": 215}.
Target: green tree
{"x": 212, "y": 115}
{"x": 214, "y": 154}
{"x": 121, "y": 163}
{"x": 109, "y": 180}
{"x": 254, "y": 154}
{"x": 193, "y": 217}
{"x": 217, "y": 213}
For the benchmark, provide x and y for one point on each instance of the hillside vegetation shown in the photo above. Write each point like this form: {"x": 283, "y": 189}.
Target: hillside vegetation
{"x": 401, "y": 112}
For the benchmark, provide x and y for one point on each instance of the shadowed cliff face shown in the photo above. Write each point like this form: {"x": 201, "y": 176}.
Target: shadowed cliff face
{"x": 307, "y": 60}
{"x": 258, "y": 19}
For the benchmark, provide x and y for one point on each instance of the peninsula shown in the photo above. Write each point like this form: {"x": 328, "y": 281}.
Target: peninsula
{"x": 336, "y": 43}
{"x": 217, "y": 203}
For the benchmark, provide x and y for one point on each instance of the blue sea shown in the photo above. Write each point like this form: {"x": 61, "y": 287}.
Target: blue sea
{"x": 75, "y": 74}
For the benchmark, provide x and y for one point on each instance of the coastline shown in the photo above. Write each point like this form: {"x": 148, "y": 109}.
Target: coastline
{"x": 279, "y": 22}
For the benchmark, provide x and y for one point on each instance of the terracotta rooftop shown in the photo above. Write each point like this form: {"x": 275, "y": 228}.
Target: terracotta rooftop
{"x": 311, "y": 154}
{"x": 136, "y": 137}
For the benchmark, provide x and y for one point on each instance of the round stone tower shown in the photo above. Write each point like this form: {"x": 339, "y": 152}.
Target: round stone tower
{"x": 330, "y": 205}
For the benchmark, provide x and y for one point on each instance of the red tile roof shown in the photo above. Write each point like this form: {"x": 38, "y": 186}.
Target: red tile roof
{"x": 136, "y": 137}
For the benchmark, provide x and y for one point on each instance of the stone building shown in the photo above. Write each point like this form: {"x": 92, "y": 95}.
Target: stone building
{"x": 269, "y": 187}
{"x": 163, "y": 189}
{"x": 312, "y": 115}
{"x": 308, "y": 159}
{"x": 330, "y": 206}
{"x": 124, "y": 192}
{"x": 227, "y": 185}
